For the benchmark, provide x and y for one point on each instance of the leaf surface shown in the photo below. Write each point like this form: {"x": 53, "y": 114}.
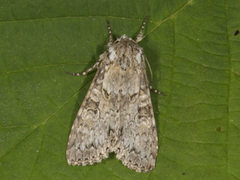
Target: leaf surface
{"x": 195, "y": 60}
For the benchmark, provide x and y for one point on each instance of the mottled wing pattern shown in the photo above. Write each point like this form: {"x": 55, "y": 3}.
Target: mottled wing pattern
{"x": 93, "y": 131}
{"x": 138, "y": 144}
{"x": 116, "y": 114}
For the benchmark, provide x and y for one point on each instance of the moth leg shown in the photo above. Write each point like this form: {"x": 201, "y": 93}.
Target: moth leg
{"x": 109, "y": 32}
{"x": 156, "y": 91}
{"x": 87, "y": 71}
{"x": 139, "y": 36}
{"x": 150, "y": 87}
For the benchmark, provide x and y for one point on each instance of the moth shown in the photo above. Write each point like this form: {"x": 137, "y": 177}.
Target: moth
{"x": 116, "y": 114}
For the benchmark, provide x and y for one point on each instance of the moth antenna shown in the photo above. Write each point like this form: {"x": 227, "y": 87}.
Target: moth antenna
{"x": 139, "y": 36}
{"x": 109, "y": 31}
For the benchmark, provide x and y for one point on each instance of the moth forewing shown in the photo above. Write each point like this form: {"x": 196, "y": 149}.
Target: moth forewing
{"x": 116, "y": 114}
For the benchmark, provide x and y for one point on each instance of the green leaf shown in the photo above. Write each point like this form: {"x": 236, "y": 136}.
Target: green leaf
{"x": 195, "y": 60}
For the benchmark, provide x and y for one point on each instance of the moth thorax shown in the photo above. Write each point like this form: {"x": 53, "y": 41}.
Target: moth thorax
{"x": 126, "y": 52}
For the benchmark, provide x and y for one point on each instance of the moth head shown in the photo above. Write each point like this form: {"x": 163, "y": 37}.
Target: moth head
{"x": 124, "y": 39}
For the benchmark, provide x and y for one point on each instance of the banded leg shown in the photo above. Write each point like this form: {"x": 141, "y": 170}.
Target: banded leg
{"x": 156, "y": 91}
{"x": 109, "y": 32}
{"x": 87, "y": 71}
{"x": 139, "y": 36}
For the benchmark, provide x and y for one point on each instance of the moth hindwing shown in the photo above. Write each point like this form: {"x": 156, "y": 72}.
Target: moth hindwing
{"x": 116, "y": 114}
